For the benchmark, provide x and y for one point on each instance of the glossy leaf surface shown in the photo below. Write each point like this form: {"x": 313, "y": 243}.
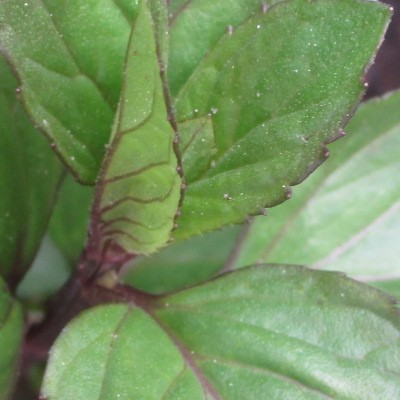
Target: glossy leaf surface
{"x": 276, "y": 89}
{"x": 347, "y": 215}
{"x": 138, "y": 190}
{"x": 267, "y": 332}
{"x": 29, "y": 176}
{"x": 69, "y": 60}
{"x": 11, "y": 331}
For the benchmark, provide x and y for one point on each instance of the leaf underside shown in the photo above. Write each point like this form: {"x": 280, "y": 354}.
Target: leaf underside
{"x": 138, "y": 191}
{"x": 268, "y": 332}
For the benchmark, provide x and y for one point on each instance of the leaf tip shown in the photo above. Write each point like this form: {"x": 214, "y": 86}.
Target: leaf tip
{"x": 336, "y": 136}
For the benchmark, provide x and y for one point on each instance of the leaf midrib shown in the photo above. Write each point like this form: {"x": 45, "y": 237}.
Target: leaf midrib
{"x": 356, "y": 238}
{"x": 262, "y": 328}
{"x": 265, "y": 371}
{"x": 190, "y": 362}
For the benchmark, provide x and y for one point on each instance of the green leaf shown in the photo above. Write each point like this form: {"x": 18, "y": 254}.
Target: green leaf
{"x": 29, "y": 176}
{"x": 202, "y": 22}
{"x": 175, "y": 5}
{"x": 277, "y": 89}
{"x": 346, "y": 216}
{"x": 196, "y": 143}
{"x": 49, "y": 271}
{"x": 183, "y": 264}
{"x": 159, "y": 13}
{"x": 138, "y": 189}
{"x": 70, "y": 219}
{"x": 69, "y": 60}
{"x": 115, "y": 352}
{"x": 391, "y": 286}
{"x": 11, "y": 331}
{"x": 268, "y": 332}
{"x": 288, "y": 332}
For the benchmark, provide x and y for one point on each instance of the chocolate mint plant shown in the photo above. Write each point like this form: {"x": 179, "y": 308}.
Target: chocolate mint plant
{"x": 144, "y": 146}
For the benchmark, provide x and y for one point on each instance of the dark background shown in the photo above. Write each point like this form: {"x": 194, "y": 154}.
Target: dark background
{"x": 384, "y": 74}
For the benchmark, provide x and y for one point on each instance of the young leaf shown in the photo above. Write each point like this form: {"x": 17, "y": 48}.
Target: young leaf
{"x": 268, "y": 332}
{"x": 138, "y": 190}
{"x": 348, "y": 211}
{"x": 11, "y": 331}
{"x": 276, "y": 89}
{"x": 68, "y": 57}
{"x": 29, "y": 176}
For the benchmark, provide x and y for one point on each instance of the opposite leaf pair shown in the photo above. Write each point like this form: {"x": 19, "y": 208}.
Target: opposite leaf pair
{"x": 253, "y": 111}
{"x": 253, "y": 101}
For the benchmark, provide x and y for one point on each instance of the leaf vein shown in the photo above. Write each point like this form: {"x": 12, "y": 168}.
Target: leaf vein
{"x": 135, "y": 172}
{"x": 73, "y": 58}
{"x": 134, "y": 199}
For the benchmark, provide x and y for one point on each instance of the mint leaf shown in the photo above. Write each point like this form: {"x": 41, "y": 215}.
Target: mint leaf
{"x": 11, "y": 331}
{"x": 277, "y": 331}
{"x": 197, "y": 146}
{"x": 29, "y": 176}
{"x": 69, "y": 222}
{"x": 183, "y": 264}
{"x": 138, "y": 189}
{"x": 115, "y": 352}
{"x": 69, "y": 60}
{"x": 276, "y": 89}
{"x": 267, "y": 332}
{"x": 391, "y": 286}
{"x": 346, "y": 216}
{"x": 202, "y": 22}
{"x": 47, "y": 274}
